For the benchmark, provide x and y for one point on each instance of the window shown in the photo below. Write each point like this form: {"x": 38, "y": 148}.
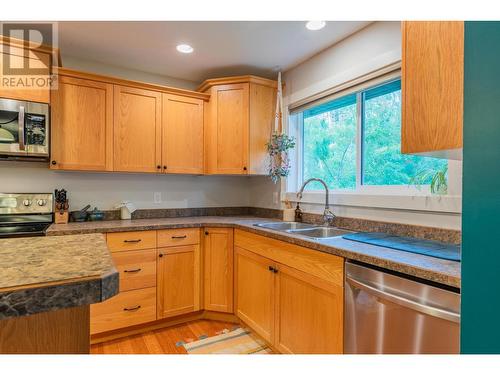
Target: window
{"x": 330, "y": 143}
{"x": 354, "y": 142}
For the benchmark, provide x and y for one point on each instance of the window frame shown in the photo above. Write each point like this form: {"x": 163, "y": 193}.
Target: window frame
{"x": 380, "y": 196}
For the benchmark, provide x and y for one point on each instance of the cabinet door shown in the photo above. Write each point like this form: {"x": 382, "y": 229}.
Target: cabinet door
{"x": 218, "y": 267}
{"x": 82, "y": 125}
{"x": 22, "y": 61}
{"x": 432, "y": 87}
{"x": 178, "y": 284}
{"x": 182, "y": 134}
{"x": 228, "y": 129}
{"x": 255, "y": 292}
{"x": 137, "y": 126}
{"x": 262, "y": 114}
{"x": 309, "y": 314}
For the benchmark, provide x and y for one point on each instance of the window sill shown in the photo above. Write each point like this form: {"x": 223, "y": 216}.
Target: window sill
{"x": 415, "y": 202}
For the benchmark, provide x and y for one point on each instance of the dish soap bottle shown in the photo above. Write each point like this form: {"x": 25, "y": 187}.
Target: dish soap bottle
{"x": 298, "y": 213}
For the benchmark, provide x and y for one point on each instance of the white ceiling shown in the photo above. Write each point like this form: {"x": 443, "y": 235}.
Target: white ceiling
{"x": 221, "y": 48}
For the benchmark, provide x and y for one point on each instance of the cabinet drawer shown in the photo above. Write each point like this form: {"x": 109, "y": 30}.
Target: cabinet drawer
{"x": 123, "y": 310}
{"x": 124, "y": 241}
{"x": 137, "y": 269}
{"x": 178, "y": 237}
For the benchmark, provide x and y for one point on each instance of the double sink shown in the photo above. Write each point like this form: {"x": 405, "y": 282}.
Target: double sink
{"x": 311, "y": 231}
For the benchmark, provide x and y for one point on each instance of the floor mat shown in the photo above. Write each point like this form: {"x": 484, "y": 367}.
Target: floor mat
{"x": 238, "y": 341}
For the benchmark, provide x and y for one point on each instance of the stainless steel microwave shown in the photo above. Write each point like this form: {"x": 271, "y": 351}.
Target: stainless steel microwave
{"x": 24, "y": 129}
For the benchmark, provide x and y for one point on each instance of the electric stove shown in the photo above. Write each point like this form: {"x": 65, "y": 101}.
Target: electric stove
{"x": 25, "y": 215}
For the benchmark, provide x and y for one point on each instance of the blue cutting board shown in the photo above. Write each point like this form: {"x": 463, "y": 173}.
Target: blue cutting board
{"x": 431, "y": 248}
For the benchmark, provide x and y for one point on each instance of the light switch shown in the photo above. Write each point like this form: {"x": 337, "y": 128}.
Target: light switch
{"x": 157, "y": 197}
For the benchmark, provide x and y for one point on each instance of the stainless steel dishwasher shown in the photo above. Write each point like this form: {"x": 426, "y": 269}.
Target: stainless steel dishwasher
{"x": 389, "y": 313}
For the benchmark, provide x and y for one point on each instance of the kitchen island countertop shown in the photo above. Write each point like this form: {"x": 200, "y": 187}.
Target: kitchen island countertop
{"x": 41, "y": 274}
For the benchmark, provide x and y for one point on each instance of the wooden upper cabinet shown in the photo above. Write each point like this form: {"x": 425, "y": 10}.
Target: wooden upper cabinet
{"x": 82, "y": 125}
{"x": 182, "y": 134}
{"x": 218, "y": 269}
{"x": 13, "y": 53}
{"x": 238, "y": 123}
{"x": 137, "y": 130}
{"x": 432, "y": 88}
{"x": 227, "y": 130}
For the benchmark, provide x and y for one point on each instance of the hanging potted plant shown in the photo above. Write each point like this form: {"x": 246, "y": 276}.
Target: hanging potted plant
{"x": 279, "y": 143}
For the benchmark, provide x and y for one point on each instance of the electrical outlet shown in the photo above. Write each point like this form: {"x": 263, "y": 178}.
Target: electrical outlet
{"x": 157, "y": 197}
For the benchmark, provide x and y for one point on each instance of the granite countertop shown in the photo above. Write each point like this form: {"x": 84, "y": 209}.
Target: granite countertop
{"x": 39, "y": 274}
{"x": 429, "y": 268}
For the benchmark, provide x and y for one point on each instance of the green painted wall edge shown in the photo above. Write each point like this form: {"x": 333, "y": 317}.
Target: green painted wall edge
{"x": 480, "y": 312}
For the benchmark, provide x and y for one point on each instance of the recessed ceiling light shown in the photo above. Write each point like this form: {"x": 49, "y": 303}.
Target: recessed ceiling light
{"x": 315, "y": 25}
{"x": 184, "y": 48}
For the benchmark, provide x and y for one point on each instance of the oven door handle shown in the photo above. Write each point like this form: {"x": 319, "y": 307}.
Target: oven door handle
{"x": 22, "y": 145}
{"x": 405, "y": 302}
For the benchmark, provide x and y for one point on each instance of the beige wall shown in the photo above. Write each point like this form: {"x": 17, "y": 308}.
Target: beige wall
{"x": 105, "y": 190}
{"x": 371, "y": 48}
{"x": 116, "y": 71}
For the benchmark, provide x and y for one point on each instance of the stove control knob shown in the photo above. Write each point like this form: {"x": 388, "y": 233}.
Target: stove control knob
{"x": 41, "y": 202}
{"x": 26, "y": 202}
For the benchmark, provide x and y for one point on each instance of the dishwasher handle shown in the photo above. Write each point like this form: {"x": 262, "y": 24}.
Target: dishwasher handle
{"x": 429, "y": 310}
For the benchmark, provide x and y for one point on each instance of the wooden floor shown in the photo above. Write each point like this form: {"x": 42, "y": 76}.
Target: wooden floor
{"x": 162, "y": 341}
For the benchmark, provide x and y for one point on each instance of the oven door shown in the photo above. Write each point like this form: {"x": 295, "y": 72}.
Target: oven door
{"x": 24, "y": 129}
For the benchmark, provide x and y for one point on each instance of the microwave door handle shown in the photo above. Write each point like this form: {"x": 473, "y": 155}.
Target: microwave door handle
{"x": 399, "y": 300}
{"x": 22, "y": 145}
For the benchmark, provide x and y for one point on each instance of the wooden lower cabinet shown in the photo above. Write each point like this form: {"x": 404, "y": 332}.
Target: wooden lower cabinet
{"x": 297, "y": 307}
{"x": 218, "y": 269}
{"x": 309, "y": 314}
{"x": 289, "y": 295}
{"x": 178, "y": 280}
{"x": 255, "y": 292}
{"x": 123, "y": 310}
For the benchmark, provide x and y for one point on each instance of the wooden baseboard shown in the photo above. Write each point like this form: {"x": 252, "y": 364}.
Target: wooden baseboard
{"x": 163, "y": 323}
{"x": 146, "y": 327}
{"x": 222, "y": 317}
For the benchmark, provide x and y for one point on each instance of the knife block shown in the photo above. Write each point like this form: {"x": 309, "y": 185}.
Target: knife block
{"x": 61, "y": 217}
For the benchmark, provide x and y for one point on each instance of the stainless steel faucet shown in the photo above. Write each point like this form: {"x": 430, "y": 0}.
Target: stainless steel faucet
{"x": 328, "y": 215}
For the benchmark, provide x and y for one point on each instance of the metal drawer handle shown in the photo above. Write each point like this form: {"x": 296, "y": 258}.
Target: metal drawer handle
{"x": 429, "y": 310}
{"x": 132, "y": 271}
{"x": 132, "y": 308}
{"x": 132, "y": 241}
{"x": 179, "y": 237}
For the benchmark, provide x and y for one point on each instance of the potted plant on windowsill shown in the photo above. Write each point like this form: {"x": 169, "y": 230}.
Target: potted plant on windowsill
{"x": 438, "y": 180}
